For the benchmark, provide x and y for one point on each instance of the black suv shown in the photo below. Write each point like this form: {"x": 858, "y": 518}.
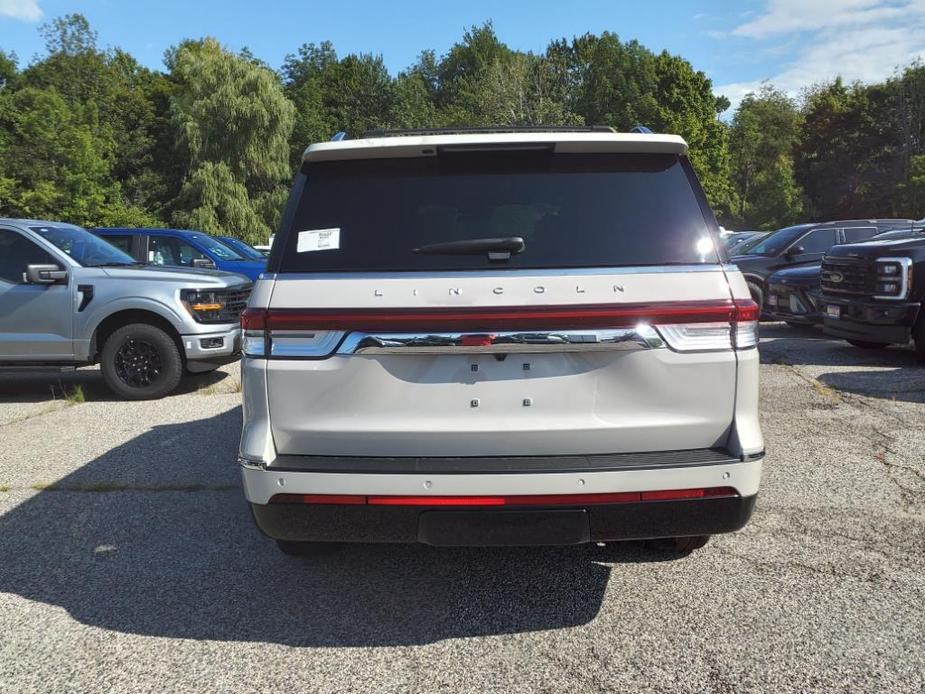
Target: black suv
{"x": 793, "y": 293}
{"x": 873, "y": 293}
{"x": 804, "y": 244}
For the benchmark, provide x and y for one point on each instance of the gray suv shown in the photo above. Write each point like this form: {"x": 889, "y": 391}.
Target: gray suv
{"x": 69, "y": 298}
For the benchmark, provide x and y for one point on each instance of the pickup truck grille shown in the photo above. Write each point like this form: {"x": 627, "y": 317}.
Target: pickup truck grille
{"x": 855, "y": 276}
{"x": 235, "y": 303}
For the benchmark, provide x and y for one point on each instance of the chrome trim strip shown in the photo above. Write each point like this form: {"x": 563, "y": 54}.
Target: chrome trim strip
{"x": 524, "y": 272}
{"x": 251, "y": 464}
{"x": 307, "y": 343}
{"x": 617, "y": 339}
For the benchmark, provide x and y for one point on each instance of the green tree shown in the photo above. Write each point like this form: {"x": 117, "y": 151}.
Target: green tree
{"x": 847, "y": 158}
{"x": 126, "y": 106}
{"x": 55, "y": 166}
{"x": 910, "y": 194}
{"x": 8, "y": 68}
{"x": 233, "y": 123}
{"x": 763, "y": 136}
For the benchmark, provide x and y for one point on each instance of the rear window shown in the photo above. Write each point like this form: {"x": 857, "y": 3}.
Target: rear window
{"x": 571, "y": 211}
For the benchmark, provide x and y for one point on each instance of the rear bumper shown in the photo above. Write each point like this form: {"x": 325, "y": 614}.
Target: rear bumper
{"x": 874, "y": 321}
{"x": 508, "y": 527}
{"x": 575, "y": 522}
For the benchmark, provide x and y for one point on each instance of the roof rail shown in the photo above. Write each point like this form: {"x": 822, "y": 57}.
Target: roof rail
{"x": 490, "y": 130}
{"x": 641, "y": 129}
{"x": 338, "y": 136}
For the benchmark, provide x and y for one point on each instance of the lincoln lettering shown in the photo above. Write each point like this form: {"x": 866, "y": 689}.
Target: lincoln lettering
{"x": 538, "y": 289}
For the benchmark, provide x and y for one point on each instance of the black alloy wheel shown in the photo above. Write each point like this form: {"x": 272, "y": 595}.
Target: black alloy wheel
{"x": 141, "y": 361}
{"x": 138, "y": 363}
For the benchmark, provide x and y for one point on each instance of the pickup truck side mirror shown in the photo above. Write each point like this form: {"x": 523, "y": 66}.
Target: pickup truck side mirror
{"x": 45, "y": 274}
{"x": 203, "y": 263}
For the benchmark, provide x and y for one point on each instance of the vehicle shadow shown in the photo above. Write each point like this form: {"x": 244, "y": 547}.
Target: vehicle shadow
{"x": 905, "y": 384}
{"x": 155, "y": 538}
{"x": 782, "y": 344}
{"x": 47, "y": 385}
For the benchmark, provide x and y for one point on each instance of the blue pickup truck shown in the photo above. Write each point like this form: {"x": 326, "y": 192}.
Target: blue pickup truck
{"x": 181, "y": 248}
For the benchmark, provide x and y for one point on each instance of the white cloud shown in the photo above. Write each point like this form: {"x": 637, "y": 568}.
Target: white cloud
{"x": 787, "y": 16}
{"x": 862, "y": 40}
{"x": 26, "y": 10}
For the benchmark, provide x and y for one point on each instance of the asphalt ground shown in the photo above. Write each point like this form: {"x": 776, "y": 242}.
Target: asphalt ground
{"x": 129, "y": 562}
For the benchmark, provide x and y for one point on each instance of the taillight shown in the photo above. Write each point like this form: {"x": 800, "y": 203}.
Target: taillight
{"x": 739, "y": 330}
{"x": 264, "y": 337}
{"x": 745, "y": 324}
{"x": 316, "y": 333}
{"x": 253, "y": 325}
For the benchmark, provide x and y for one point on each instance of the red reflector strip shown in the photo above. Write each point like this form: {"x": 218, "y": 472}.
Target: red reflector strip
{"x": 505, "y": 500}
{"x": 330, "y": 499}
{"x": 490, "y": 318}
{"x": 674, "y": 494}
{"x": 436, "y": 501}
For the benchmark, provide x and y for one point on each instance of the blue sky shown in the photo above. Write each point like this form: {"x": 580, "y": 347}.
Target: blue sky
{"x": 792, "y": 43}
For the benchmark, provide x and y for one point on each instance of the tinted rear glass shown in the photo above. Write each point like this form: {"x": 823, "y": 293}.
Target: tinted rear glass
{"x": 571, "y": 211}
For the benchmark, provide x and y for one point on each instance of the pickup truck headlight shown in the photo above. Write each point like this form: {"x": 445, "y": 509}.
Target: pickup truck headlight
{"x": 894, "y": 278}
{"x": 206, "y": 306}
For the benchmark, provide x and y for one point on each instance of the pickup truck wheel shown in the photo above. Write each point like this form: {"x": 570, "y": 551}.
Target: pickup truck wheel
{"x": 918, "y": 335}
{"x": 307, "y": 549}
{"x": 865, "y": 344}
{"x": 680, "y": 544}
{"x": 141, "y": 362}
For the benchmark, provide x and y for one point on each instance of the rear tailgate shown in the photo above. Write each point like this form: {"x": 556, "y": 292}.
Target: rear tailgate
{"x": 611, "y": 331}
{"x": 504, "y": 399}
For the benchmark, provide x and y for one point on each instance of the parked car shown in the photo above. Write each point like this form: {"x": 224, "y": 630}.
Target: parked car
{"x": 243, "y": 248}
{"x": 499, "y": 338}
{"x": 803, "y": 244}
{"x": 181, "y": 248}
{"x": 793, "y": 296}
{"x": 793, "y": 293}
{"x": 873, "y": 293}
{"x": 740, "y": 238}
{"x": 69, "y": 298}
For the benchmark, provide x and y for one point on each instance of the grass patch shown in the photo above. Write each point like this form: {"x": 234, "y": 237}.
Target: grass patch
{"x": 75, "y": 395}
{"x": 5, "y": 487}
{"x": 220, "y": 388}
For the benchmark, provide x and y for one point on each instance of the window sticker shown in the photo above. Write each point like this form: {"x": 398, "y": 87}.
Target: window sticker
{"x": 318, "y": 240}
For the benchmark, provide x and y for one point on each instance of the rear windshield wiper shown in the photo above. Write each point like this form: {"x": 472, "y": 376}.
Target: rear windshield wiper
{"x": 496, "y": 248}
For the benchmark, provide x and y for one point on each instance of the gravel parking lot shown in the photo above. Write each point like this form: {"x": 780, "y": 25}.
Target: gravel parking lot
{"x": 128, "y": 561}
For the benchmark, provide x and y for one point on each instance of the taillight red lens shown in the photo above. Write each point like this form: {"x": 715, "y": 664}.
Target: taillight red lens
{"x": 745, "y": 311}
{"x": 254, "y": 319}
{"x": 490, "y": 318}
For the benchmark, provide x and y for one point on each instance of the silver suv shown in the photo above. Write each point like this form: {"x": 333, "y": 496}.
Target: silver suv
{"x": 499, "y": 338}
{"x": 69, "y": 298}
